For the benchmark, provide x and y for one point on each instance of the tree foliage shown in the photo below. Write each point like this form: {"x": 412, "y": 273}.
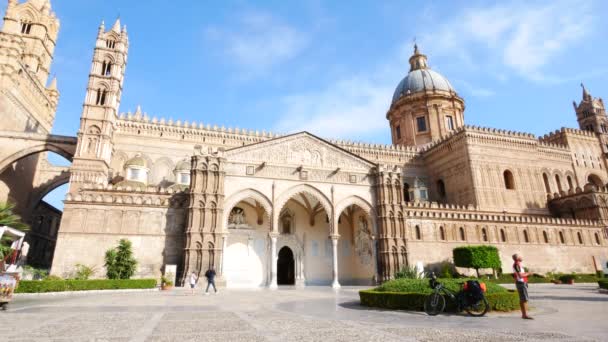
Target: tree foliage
{"x": 120, "y": 263}
{"x": 477, "y": 257}
{"x": 9, "y": 219}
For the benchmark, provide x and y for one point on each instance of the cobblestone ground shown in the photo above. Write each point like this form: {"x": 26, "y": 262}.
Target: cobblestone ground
{"x": 563, "y": 313}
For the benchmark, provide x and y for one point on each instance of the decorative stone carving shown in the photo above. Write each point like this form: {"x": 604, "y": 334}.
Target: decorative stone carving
{"x": 301, "y": 149}
{"x": 363, "y": 242}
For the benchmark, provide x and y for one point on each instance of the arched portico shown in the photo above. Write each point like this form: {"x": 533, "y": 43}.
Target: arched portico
{"x": 356, "y": 224}
{"x": 245, "y": 226}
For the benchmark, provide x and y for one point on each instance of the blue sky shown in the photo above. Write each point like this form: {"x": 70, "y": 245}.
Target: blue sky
{"x": 330, "y": 67}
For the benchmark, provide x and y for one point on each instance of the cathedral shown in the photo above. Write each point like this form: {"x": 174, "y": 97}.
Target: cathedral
{"x": 266, "y": 210}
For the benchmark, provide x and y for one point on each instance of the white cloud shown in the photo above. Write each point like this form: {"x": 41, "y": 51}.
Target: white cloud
{"x": 259, "y": 41}
{"x": 350, "y": 108}
{"x": 474, "y": 90}
{"x": 524, "y": 36}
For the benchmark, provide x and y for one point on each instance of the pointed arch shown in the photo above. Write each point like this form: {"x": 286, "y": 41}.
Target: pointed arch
{"x": 288, "y": 194}
{"x": 239, "y": 196}
{"x": 8, "y": 161}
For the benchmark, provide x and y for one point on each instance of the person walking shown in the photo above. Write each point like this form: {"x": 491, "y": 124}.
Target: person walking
{"x": 210, "y": 275}
{"x": 521, "y": 283}
{"x": 193, "y": 280}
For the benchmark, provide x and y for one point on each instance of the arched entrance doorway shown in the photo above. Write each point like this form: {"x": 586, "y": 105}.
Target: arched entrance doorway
{"x": 286, "y": 267}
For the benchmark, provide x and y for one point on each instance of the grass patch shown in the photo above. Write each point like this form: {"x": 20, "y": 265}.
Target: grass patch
{"x": 43, "y": 286}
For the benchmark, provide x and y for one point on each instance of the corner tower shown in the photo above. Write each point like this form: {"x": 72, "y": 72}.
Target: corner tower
{"x": 591, "y": 113}
{"x": 27, "y": 41}
{"x": 425, "y": 106}
{"x": 101, "y": 105}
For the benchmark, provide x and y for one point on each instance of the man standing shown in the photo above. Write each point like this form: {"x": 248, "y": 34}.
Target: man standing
{"x": 210, "y": 275}
{"x": 521, "y": 283}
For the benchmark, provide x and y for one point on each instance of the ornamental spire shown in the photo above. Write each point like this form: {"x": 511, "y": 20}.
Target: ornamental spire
{"x": 418, "y": 60}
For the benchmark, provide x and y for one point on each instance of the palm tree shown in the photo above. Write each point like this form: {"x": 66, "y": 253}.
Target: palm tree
{"x": 7, "y": 218}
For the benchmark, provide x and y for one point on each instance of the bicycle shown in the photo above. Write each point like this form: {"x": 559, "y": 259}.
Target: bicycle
{"x": 435, "y": 303}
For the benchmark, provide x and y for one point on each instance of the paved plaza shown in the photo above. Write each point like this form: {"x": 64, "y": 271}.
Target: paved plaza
{"x": 563, "y": 313}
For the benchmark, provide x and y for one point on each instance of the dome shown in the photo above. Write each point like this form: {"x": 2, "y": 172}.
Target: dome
{"x": 183, "y": 165}
{"x": 421, "y": 78}
{"x": 138, "y": 160}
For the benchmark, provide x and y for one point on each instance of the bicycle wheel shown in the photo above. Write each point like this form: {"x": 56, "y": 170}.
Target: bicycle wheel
{"x": 434, "y": 304}
{"x": 479, "y": 309}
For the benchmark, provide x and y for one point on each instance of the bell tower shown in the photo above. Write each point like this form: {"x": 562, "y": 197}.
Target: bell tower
{"x": 591, "y": 113}
{"x": 101, "y": 105}
{"x": 38, "y": 27}
{"x": 27, "y": 41}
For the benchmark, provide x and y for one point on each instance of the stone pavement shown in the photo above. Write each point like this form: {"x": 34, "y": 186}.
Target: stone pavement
{"x": 563, "y": 313}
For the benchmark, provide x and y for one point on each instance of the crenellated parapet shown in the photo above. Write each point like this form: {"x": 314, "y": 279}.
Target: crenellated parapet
{"x": 434, "y": 210}
{"x": 138, "y": 196}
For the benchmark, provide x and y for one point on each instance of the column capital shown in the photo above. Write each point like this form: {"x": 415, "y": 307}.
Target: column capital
{"x": 273, "y": 235}
{"x": 334, "y": 236}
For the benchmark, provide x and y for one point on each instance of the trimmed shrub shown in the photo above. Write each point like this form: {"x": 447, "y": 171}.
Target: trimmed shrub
{"x": 564, "y": 278}
{"x": 422, "y": 286}
{"x": 407, "y": 272}
{"x": 603, "y": 283}
{"x": 120, "y": 263}
{"x": 503, "y": 301}
{"x": 42, "y": 286}
{"x": 477, "y": 257}
{"x": 83, "y": 272}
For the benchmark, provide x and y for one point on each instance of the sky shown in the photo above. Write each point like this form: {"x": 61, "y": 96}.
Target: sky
{"x": 330, "y": 67}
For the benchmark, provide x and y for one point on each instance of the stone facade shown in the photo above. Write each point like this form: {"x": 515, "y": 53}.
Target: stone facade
{"x": 266, "y": 209}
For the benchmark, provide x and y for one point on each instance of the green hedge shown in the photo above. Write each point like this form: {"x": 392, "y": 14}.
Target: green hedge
{"x": 41, "y": 286}
{"x": 422, "y": 286}
{"x": 410, "y": 294}
{"x": 502, "y": 301}
{"x": 603, "y": 283}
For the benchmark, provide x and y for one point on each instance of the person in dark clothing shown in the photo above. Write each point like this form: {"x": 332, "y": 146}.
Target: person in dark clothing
{"x": 210, "y": 275}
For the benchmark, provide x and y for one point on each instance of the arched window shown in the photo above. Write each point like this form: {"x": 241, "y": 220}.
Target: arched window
{"x": 102, "y": 94}
{"x": 418, "y": 233}
{"x": 26, "y": 27}
{"x": 106, "y": 68}
{"x": 561, "y": 237}
{"x": 545, "y": 237}
{"x": 559, "y": 183}
{"x": 526, "y": 237}
{"x": 570, "y": 186}
{"x": 110, "y": 44}
{"x": 462, "y": 235}
{"x": 442, "y": 233}
{"x": 546, "y": 181}
{"x": 509, "y": 181}
{"x": 503, "y": 236}
{"x": 595, "y": 180}
{"x": 441, "y": 189}
{"x": 580, "y": 238}
{"x": 484, "y": 234}
{"x": 597, "y": 239}
{"x": 406, "y": 192}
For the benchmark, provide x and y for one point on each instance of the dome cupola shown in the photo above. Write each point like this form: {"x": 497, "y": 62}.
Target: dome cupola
{"x": 421, "y": 78}
{"x": 424, "y": 106}
{"x": 182, "y": 172}
{"x": 137, "y": 169}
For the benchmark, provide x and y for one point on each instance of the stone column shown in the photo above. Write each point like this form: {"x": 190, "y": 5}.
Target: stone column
{"x": 224, "y": 247}
{"x": 273, "y": 261}
{"x": 334, "y": 243}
